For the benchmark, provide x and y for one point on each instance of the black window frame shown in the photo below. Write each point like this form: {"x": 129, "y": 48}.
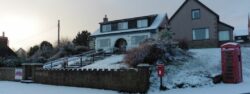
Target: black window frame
{"x": 205, "y": 32}
{"x": 193, "y": 10}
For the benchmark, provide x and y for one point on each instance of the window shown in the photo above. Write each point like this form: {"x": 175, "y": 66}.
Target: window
{"x": 135, "y": 40}
{"x": 239, "y": 38}
{"x": 200, "y": 34}
{"x": 106, "y": 28}
{"x": 224, "y": 36}
{"x": 142, "y": 23}
{"x": 123, "y": 25}
{"x": 104, "y": 43}
{"x": 196, "y": 14}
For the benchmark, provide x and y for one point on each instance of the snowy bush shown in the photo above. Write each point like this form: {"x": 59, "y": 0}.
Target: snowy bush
{"x": 11, "y": 62}
{"x": 183, "y": 44}
{"x": 145, "y": 53}
{"x": 162, "y": 49}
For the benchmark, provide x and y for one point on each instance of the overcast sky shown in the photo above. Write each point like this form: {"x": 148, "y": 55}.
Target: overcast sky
{"x": 28, "y": 22}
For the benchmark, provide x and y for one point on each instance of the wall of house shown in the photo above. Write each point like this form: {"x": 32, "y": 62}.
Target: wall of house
{"x": 114, "y": 38}
{"x": 182, "y": 25}
{"x": 223, "y": 27}
{"x": 127, "y": 80}
{"x": 7, "y": 74}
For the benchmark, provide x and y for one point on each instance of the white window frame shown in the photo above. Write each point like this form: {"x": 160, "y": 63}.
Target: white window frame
{"x": 106, "y": 28}
{"x": 196, "y": 12}
{"x": 224, "y": 35}
{"x": 206, "y": 30}
{"x": 122, "y": 25}
{"x": 137, "y": 42}
{"x": 142, "y": 23}
{"x": 101, "y": 41}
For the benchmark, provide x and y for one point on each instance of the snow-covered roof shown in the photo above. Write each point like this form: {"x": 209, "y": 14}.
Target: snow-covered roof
{"x": 157, "y": 22}
{"x": 230, "y": 43}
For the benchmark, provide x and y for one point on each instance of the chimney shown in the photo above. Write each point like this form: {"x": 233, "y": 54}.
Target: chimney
{"x": 105, "y": 19}
{"x": 3, "y": 34}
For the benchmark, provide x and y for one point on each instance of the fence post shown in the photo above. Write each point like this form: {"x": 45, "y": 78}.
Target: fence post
{"x": 81, "y": 60}
{"x": 93, "y": 58}
{"x": 144, "y": 74}
{"x": 29, "y": 70}
{"x": 51, "y": 64}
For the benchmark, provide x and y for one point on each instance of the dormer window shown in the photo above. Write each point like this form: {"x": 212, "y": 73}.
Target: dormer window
{"x": 196, "y": 14}
{"x": 106, "y": 28}
{"x": 142, "y": 23}
{"x": 123, "y": 25}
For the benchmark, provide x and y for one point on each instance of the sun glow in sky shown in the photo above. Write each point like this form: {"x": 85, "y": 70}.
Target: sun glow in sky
{"x": 19, "y": 28}
{"x": 29, "y": 22}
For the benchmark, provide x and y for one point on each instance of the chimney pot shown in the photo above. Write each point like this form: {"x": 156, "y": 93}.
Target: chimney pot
{"x": 105, "y": 19}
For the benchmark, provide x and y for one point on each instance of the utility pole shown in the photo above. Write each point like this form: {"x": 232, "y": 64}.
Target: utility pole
{"x": 59, "y": 33}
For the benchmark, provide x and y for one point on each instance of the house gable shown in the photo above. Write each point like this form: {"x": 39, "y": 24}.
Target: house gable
{"x": 193, "y": 19}
{"x": 183, "y": 18}
{"x": 197, "y": 1}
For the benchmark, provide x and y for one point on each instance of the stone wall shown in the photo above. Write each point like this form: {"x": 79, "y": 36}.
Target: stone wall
{"x": 127, "y": 80}
{"x": 7, "y": 74}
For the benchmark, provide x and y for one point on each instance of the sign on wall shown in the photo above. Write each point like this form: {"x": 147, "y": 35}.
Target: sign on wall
{"x": 18, "y": 74}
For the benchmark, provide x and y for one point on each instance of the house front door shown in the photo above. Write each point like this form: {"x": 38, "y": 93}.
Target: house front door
{"x": 120, "y": 46}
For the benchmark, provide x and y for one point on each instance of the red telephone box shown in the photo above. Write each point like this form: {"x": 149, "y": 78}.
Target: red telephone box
{"x": 231, "y": 63}
{"x": 160, "y": 70}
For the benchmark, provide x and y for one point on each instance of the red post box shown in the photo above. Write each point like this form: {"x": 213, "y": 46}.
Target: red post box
{"x": 160, "y": 70}
{"x": 231, "y": 63}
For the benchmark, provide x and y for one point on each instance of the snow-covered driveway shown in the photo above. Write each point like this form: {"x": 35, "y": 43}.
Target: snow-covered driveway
{"x": 23, "y": 88}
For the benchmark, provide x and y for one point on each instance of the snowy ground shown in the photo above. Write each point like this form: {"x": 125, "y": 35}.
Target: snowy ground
{"x": 22, "y": 88}
{"x": 112, "y": 62}
{"x": 206, "y": 62}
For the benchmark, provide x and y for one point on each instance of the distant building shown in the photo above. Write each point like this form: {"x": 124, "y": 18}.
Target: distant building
{"x": 197, "y": 24}
{"x": 244, "y": 38}
{"x": 120, "y": 35}
{"x": 21, "y": 53}
{"x": 5, "y": 51}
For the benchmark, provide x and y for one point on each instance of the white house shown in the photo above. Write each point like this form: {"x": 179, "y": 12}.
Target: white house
{"x": 123, "y": 34}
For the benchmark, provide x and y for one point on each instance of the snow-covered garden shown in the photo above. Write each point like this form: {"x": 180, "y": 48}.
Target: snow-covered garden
{"x": 193, "y": 75}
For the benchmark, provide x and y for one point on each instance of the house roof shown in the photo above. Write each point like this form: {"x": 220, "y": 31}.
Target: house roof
{"x": 6, "y": 51}
{"x": 186, "y": 1}
{"x": 210, "y": 10}
{"x": 226, "y": 25}
{"x": 156, "y": 23}
{"x": 126, "y": 19}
